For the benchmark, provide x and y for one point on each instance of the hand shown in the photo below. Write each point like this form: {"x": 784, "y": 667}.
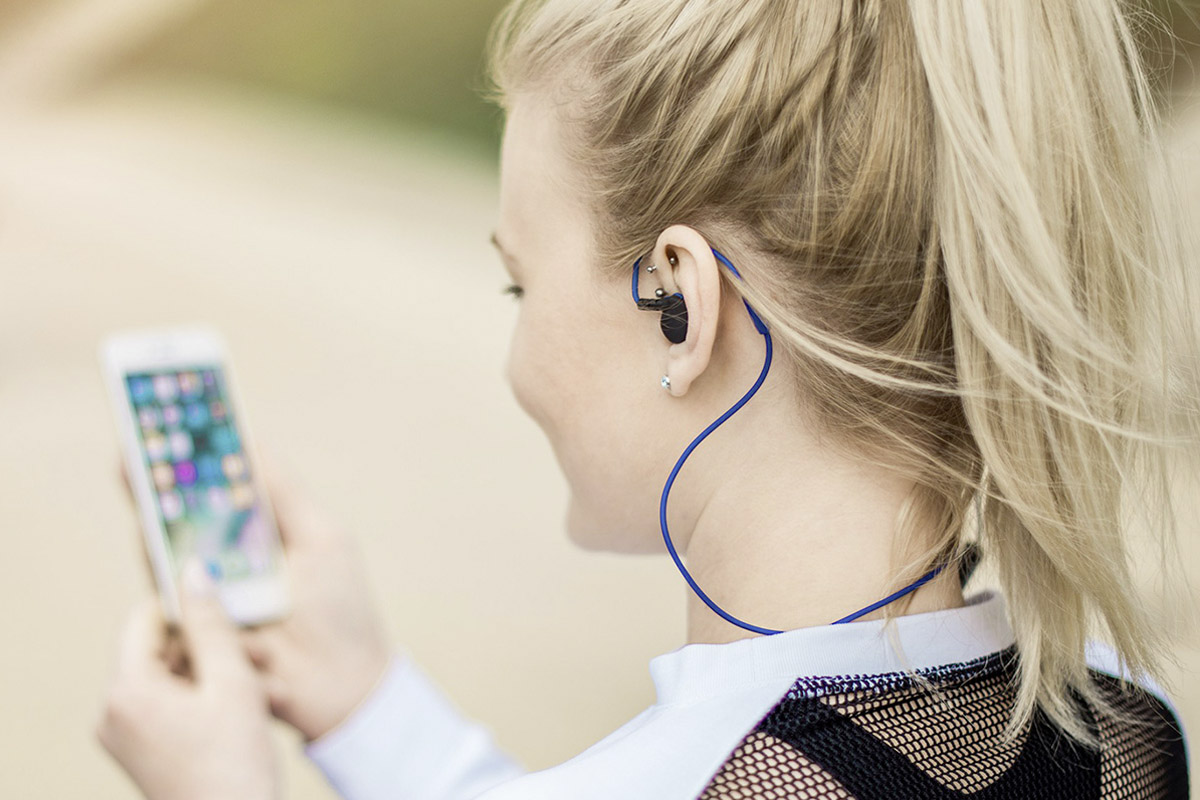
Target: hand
{"x": 189, "y": 737}
{"x": 326, "y": 656}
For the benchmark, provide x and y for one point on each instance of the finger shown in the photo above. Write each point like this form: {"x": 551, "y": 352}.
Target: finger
{"x": 212, "y": 639}
{"x": 140, "y": 653}
{"x": 285, "y": 500}
{"x": 260, "y": 645}
{"x": 296, "y": 516}
{"x": 175, "y": 655}
{"x": 279, "y": 698}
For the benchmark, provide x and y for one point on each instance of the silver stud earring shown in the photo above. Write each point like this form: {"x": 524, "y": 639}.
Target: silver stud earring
{"x": 651, "y": 268}
{"x": 660, "y": 292}
{"x": 666, "y": 382}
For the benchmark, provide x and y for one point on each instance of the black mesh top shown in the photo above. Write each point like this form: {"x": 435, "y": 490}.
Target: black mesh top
{"x": 883, "y": 737}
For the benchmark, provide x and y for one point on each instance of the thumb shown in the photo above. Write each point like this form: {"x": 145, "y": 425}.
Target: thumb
{"x": 212, "y": 639}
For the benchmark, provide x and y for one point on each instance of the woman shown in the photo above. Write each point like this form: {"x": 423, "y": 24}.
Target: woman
{"x": 920, "y": 253}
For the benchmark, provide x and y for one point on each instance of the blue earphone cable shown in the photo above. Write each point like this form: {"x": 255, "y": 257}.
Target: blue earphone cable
{"x": 662, "y": 505}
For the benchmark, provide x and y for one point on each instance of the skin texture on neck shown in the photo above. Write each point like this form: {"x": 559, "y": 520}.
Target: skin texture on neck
{"x": 789, "y": 541}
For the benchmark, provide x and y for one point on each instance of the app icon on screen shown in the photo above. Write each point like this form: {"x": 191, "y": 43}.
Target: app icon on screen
{"x": 171, "y": 504}
{"x": 185, "y": 473}
{"x": 208, "y": 468}
{"x": 181, "y": 445}
{"x": 234, "y": 466}
{"x": 224, "y": 440}
{"x": 141, "y": 390}
{"x": 156, "y": 447}
{"x": 243, "y": 496}
{"x": 218, "y": 498}
{"x": 148, "y": 417}
{"x": 190, "y": 385}
{"x": 195, "y": 415}
{"x": 166, "y": 388}
{"x": 217, "y": 409}
{"x": 164, "y": 476}
{"x": 172, "y": 415}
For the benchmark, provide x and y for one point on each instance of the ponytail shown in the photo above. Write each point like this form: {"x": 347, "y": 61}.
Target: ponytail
{"x": 1055, "y": 269}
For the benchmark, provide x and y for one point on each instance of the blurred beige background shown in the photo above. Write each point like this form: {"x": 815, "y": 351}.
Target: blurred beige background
{"x": 318, "y": 182}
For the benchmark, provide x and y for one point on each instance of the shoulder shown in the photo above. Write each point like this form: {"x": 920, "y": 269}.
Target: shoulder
{"x": 879, "y": 735}
{"x": 918, "y": 734}
{"x": 1103, "y": 660}
{"x": 1143, "y": 746}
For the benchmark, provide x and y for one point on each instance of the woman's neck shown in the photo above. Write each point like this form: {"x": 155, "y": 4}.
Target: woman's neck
{"x": 786, "y": 537}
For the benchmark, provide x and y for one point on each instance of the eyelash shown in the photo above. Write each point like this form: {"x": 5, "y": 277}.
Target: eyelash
{"x": 516, "y": 291}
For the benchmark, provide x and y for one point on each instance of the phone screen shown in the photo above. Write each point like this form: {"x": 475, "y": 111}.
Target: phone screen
{"x": 199, "y": 472}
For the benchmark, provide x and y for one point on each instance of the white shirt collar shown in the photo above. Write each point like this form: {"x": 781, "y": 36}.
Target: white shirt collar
{"x": 697, "y": 672}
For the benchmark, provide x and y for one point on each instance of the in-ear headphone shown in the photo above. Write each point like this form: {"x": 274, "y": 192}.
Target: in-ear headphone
{"x": 674, "y": 314}
{"x": 673, "y": 307}
{"x": 674, "y": 327}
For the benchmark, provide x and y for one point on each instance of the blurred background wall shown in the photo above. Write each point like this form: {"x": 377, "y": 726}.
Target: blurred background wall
{"x": 313, "y": 179}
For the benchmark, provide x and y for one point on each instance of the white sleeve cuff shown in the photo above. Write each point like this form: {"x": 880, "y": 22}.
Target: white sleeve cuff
{"x": 408, "y": 742}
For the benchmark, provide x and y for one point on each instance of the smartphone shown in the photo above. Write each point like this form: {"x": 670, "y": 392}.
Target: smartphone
{"x": 192, "y": 471}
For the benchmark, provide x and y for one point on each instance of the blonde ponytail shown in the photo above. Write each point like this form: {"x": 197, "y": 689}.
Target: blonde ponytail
{"x": 953, "y": 216}
{"x": 1044, "y": 214}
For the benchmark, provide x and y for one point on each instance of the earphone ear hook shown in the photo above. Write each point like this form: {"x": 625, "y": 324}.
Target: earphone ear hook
{"x": 759, "y": 325}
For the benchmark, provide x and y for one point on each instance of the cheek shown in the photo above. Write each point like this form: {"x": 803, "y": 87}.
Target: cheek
{"x": 559, "y": 368}
{"x": 575, "y": 386}
{"x": 529, "y": 370}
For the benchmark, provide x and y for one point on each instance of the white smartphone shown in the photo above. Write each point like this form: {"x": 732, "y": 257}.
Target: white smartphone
{"x": 192, "y": 471}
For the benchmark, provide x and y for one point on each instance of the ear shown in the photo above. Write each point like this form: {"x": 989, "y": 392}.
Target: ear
{"x": 696, "y": 275}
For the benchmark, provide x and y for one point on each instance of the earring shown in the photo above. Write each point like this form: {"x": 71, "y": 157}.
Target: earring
{"x": 666, "y": 382}
{"x": 651, "y": 268}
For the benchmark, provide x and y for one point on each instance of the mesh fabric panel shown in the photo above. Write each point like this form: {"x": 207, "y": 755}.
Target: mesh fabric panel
{"x": 939, "y": 735}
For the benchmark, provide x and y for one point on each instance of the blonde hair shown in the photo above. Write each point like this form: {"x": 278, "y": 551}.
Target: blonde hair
{"x": 952, "y": 215}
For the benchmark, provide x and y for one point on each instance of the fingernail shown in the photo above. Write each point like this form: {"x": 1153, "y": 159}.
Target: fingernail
{"x": 195, "y": 579}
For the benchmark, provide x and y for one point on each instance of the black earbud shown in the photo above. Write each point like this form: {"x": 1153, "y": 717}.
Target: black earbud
{"x": 674, "y": 318}
{"x": 674, "y": 315}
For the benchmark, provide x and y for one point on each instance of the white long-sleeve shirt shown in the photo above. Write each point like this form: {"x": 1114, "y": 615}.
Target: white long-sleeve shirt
{"x": 407, "y": 741}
